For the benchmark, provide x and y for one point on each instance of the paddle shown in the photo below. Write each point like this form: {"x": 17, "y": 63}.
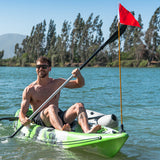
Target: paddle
{"x": 110, "y": 40}
{"x": 9, "y": 118}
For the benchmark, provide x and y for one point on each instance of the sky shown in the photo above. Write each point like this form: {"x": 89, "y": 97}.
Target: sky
{"x": 19, "y": 16}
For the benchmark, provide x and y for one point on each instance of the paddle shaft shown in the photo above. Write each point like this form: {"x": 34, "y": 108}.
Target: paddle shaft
{"x": 110, "y": 40}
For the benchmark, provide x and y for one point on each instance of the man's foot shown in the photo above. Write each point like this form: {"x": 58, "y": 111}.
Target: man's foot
{"x": 66, "y": 127}
{"x": 94, "y": 129}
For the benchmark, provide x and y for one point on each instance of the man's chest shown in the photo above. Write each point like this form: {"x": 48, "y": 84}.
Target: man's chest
{"x": 40, "y": 94}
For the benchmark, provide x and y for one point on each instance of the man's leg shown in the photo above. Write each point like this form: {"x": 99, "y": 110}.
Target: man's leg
{"x": 50, "y": 118}
{"x": 79, "y": 110}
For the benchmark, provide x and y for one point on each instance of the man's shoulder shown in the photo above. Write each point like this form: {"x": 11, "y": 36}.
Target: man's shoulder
{"x": 30, "y": 86}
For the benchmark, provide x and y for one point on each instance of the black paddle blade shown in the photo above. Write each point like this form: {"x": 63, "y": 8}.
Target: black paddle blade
{"x": 115, "y": 35}
{"x": 110, "y": 40}
{"x": 9, "y": 118}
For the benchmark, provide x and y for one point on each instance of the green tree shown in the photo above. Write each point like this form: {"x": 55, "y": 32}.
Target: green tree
{"x": 1, "y": 54}
{"x": 95, "y": 37}
{"x": 138, "y": 40}
{"x": 51, "y": 36}
{"x": 39, "y": 40}
{"x": 33, "y": 46}
{"x": 113, "y": 47}
{"x": 65, "y": 33}
{"x": 53, "y": 50}
{"x": 152, "y": 35}
{"x": 85, "y": 39}
{"x": 18, "y": 53}
{"x": 76, "y": 35}
{"x": 91, "y": 37}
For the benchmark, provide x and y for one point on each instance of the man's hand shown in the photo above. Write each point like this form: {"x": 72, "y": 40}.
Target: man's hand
{"x": 76, "y": 73}
{"x": 25, "y": 121}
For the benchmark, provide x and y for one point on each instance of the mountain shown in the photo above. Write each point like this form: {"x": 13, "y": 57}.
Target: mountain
{"x": 8, "y": 42}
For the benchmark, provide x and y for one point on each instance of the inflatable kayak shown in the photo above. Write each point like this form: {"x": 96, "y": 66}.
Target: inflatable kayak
{"x": 106, "y": 142}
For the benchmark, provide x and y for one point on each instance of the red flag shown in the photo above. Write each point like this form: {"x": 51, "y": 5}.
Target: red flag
{"x": 126, "y": 17}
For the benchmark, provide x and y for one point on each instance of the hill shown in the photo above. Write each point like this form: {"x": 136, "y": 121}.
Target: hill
{"x": 7, "y": 43}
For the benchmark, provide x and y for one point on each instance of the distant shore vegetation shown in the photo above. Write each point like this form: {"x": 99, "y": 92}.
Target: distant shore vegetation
{"x": 78, "y": 41}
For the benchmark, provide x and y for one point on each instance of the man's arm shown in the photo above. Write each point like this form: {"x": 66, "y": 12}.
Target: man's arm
{"x": 24, "y": 107}
{"x": 79, "y": 82}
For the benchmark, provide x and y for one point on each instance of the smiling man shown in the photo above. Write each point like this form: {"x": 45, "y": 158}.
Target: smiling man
{"x": 51, "y": 115}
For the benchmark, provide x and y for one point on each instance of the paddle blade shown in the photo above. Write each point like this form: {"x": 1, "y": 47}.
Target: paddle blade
{"x": 9, "y": 118}
{"x": 110, "y": 40}
{"x": 115, "y": 35}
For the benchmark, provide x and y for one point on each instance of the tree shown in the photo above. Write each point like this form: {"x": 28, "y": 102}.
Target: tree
{"x": 138, "y": 40}
{"x": 113, "y": 47}
{"x": 86, "y": 39}
{"x": 76, "y": 35}
{"x": 95, "y": 40}
{"x": 39, "y": 40}
{"x": 34, "y": 45}
{"x": 1, "y": 54}
{"x": 89, "y": 37}
{"x": 18, "y": 53}
{"x": 51, "y": 36}
{"x": 17, "y": 50}
{"x": 52, "y": 53}
{"x": 152, "y": 35}
{"x": 65, "y": 33}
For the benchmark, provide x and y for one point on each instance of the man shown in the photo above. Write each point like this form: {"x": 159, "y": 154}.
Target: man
{"x": 37, "y": 93}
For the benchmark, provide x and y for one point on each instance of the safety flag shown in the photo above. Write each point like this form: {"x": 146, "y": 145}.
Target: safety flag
{"x": 126, "y": 17}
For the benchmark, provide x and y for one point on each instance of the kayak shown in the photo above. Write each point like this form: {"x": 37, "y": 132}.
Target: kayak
{"x": 106, "y": 142}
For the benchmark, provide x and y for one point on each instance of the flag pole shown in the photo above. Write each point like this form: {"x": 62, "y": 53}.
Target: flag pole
{"x": 122, "y": 130}
{"x": 126, "y": 18}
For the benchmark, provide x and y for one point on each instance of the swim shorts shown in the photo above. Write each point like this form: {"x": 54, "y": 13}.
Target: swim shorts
{"x": 37, "y": 119}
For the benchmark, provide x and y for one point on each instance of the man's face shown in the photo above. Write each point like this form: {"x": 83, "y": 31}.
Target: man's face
{"x": 42, "y": 69}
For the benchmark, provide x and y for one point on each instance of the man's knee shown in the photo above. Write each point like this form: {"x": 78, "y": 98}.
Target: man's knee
{"x": 47, "y": 113}
{"x": 50, "y": 109}
{"x": 80, "y": 107}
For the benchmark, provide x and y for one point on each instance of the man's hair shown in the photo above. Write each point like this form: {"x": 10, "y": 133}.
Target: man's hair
{"x": 44, "y": 60}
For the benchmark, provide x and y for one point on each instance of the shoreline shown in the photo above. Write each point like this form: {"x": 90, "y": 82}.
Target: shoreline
{"x": 124, "y": 63}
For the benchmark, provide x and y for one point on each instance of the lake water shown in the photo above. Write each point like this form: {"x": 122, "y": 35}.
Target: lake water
{"x": 140, "y": 101}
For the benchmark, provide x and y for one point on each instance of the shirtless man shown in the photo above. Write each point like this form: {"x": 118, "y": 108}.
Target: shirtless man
{"x": 38, "y": 92}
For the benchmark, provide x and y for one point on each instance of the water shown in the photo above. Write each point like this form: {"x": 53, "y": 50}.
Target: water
{"x": 141, "y": 110}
